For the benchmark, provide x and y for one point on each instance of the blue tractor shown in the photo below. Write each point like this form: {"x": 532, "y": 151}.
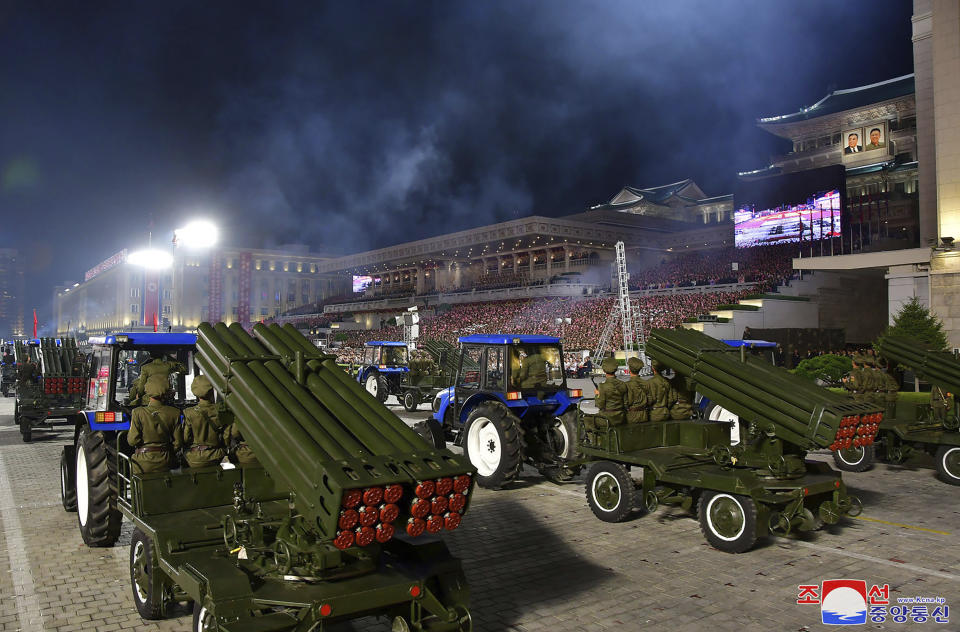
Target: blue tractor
{"x": 510, "y": 405}
{"x": 88, "y": 477}
{"x": 385, "y": 364}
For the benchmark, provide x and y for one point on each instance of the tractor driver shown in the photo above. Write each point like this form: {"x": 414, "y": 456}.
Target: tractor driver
{"x": 152, "y": 430}
{"x": 158, "y": 365}
{"x": 533, "y": 369}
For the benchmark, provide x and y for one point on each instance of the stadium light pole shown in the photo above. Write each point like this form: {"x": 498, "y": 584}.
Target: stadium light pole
{"x": 197, "y": 235}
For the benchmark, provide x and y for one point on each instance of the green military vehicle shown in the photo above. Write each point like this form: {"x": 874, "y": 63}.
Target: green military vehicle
{"x": 337, "y": 523}
{"x": 761, "y": 485}
{"x": 917, "y": 428}
{"x": 50, "y": 387}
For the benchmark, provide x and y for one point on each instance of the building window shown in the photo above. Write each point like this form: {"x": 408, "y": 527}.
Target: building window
{"x": 273, "y": 265}
{"x": 166, "y": 309}
{"x": 263, "y": 311}
{"x": 134, "y": 292}
{"x": 134, "y": 309}
{"x": 166, "y": 294}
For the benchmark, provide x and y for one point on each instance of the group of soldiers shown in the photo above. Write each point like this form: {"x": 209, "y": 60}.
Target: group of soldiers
{"x": 871, "y": 384}
{"x": 157, "y": 434}
{"x": 639, "y": 400}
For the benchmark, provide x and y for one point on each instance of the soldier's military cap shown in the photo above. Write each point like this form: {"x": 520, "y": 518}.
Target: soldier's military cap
{"x": 156, "y": 386}
{"x": 201, "y": 386}
{"x": 655, "y": 364}
{"x": 857, "y": 358}
{"x": 609, "y": 365}
{"x": 635, "y": 365}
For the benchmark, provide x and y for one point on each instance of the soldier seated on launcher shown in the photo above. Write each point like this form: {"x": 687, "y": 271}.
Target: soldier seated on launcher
{"x": 611, "y": 399}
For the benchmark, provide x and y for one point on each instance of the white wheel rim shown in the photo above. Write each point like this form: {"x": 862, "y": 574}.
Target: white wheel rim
{"x": 601, "y": 479}
{"x": 562, "y": 428}
{"x": 842, "y": 455}
{"x": 483, "y": 443}
{"x": 719, "y": 413}
{"x": 63, "y": 481}
{"x": 372, "y": 385}
{"x": 138, "y": 552}
{"x": 204, "y": 613}
{"x": 713, "y": 528}
{"x": 954, "y": 475}
{"x": 83, "y": 503}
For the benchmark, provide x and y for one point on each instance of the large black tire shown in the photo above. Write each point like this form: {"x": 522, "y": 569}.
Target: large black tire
{"x": 96, "y": 474}
{"x": 565, "y": 436}
{"x": 411, "y": 399}
{"x": 145, "y": 577}
{"x": 855, "y": 459}
{"x": 376, "y": 386}
{"x": 493, "y": 444}
{"x": 611, "y": 492}
{"x": 948, "y": 464}
{"x": 68, "y": 485}
{"x": 431, "y": 431}
{"x": 728, "y": 521}
{"x": 26, "y": 429}
{"x": 203, "y": 619}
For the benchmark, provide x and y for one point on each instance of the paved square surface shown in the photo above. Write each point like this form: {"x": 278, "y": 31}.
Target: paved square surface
{"x": 535, "y": 556}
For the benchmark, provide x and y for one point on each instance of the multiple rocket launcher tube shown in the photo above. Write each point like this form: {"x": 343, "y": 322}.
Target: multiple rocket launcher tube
{"x": 353, "y": 468}
{"x": 938, "y": 367}
{"x": 786, "y": 406}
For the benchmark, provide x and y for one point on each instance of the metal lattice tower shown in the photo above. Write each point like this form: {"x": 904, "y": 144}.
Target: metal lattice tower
{"x": 607, "y": 333}
{"x": 626, "y": 309}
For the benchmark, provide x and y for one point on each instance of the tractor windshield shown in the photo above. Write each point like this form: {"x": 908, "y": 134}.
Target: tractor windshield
{"x": 536, "y": 366}
{"x": 394, "y": 356}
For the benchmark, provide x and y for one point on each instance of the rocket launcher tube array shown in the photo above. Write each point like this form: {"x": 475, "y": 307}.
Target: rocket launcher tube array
{"x": 938, "y": 367}
{"x": 313, "y": 435}
{"x": 757, "y": 393}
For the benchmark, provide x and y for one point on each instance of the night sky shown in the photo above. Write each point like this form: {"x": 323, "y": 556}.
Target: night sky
{"x": 354, "y": 125}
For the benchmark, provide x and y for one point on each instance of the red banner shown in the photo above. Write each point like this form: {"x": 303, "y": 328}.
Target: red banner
{"x": 151, "y": 295}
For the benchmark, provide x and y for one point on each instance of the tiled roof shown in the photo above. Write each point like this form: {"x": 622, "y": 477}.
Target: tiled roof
{"x": 850, "y": 99}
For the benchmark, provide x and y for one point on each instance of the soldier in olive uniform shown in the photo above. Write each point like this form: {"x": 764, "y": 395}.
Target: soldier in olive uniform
{"x": 240, "y": 452}
{"x": 158, "y": 365}
{"x": 611, "y": 394}
{"x": 855, "y": 381}
{"x": 939, "y": 404}
{"x": 680, "y": 398}
{"x": 638, "y": 395}
{"x": 874, "y": 383}
{"x": 201, "y": 431}
{"x": 29, "y": 371}
{"x": 891, "y": 391}
{"x": 533, "y": 371}
{"x": 659, "y": 394}
{"x": 152, "y": 430}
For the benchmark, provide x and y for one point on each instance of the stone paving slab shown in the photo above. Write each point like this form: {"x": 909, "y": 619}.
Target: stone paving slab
{"x": 535, "y": 556}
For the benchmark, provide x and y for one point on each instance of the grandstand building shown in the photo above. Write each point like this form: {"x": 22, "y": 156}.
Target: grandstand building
{"x": 229, "y": 284}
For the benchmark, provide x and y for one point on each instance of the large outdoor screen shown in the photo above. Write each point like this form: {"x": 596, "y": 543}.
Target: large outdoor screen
{"x": 361, "y": 283}
{"x": 800, "y": 207}
{"x": 818, "y": 218}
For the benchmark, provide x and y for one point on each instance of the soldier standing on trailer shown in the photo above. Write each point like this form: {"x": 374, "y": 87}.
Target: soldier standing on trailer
{"x": 659, "y": 394}
{"x": 638, "y": 395}
{"x": 201, "y": 433}
{"x": 158, "y": 365}
{"x": 152, "y": 430}
{"x": 611, "y": 394}
{"x": 855, "y": 381}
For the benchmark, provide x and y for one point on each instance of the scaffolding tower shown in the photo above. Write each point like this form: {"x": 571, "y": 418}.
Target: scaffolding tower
{"x": 625, "y": 313}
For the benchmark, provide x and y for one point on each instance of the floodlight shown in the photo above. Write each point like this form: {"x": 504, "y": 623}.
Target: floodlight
{"x": 151, "y": 259}
{"x": 197, "y": 234}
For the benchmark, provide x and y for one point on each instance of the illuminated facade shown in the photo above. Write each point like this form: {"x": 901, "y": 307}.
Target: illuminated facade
{"x": 228, "y": 284}
{"x": 11, "y": 294}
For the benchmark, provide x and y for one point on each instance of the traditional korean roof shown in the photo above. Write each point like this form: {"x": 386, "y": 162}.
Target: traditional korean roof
{"x": 849, "y": 99}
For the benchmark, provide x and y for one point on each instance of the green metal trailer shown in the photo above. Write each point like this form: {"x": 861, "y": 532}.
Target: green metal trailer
{"x": 742, "y": 491}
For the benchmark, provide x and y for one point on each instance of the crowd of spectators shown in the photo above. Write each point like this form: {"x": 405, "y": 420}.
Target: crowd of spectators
{"x": 765, "y": 266}
{"x": 588, "y": 316}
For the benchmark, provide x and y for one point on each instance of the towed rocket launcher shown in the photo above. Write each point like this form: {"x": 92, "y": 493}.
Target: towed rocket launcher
{"x": 781, "y": 415}
{"x": 937, "y": 367}
{"x": 328, "y": 529}
{"x": 341, "y": 454}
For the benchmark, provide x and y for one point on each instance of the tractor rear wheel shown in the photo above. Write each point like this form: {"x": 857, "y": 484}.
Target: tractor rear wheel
{"x": 493, "y": 444}
{"x": 728, "y": 521}
{"x": 95, "y": 479}
{"x": 855, "y": 459}
{"x": 611, "y": 492}
{"x": 948, "y": 464}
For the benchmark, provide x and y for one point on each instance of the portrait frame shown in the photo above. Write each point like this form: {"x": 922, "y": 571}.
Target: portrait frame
{"x": 870, "y": 131}
{"x": 845, "y": 141}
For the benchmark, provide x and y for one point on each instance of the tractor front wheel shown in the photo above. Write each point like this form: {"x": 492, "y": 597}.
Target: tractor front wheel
{"x": 410, "y": 400}
{"x": 493, "y": 444}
